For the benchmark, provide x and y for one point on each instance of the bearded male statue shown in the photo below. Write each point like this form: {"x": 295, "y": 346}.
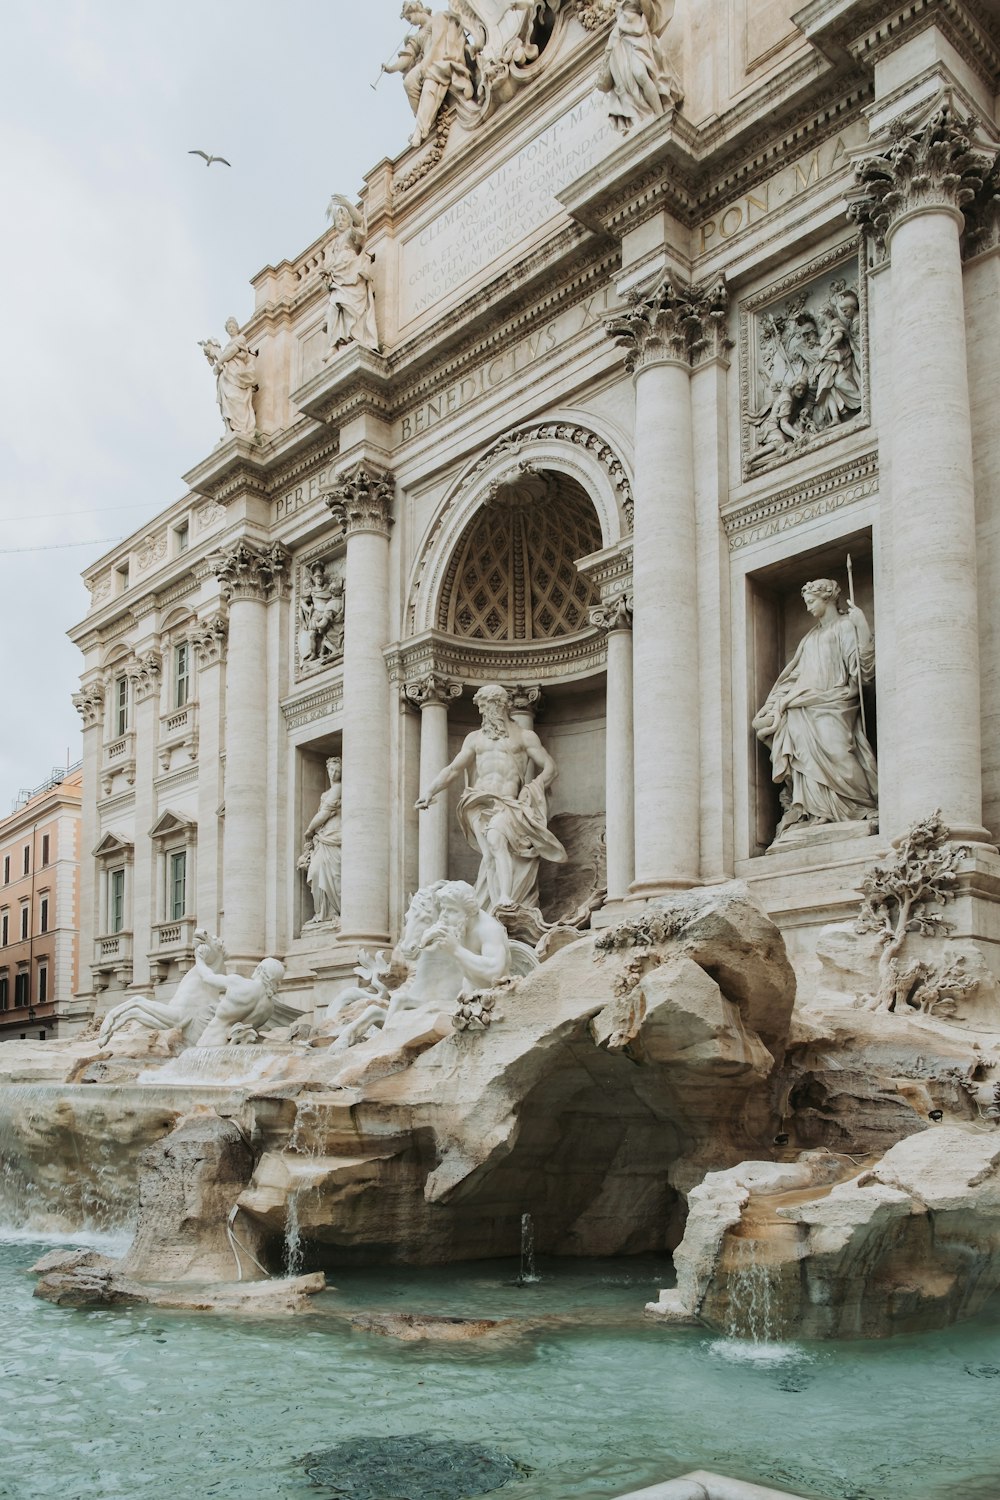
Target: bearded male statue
{"x": 502, "y": 810}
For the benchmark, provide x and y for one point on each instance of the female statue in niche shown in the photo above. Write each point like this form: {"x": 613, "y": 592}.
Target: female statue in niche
{"x": 347, "y": 275}
{"x": 812, "y": 720}
{"x": 320, "y": 856}
{"x": 235, "y": 372}
{"x": 635, "y": 71}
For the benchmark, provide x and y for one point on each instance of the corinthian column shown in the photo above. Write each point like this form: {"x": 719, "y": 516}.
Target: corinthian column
{"x": 432, "y": 695}
{"x": 911, "y": 198}
{"x": 615, "y": 618}
{"x": 361, "y": 502}
{"x": 664, "y": 332}
{"x": 250, "y": 575}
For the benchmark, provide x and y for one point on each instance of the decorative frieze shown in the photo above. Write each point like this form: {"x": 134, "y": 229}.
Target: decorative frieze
{"x": 761, "y": 518}
{"x": 935, "y": 165}
{"x": 361, "y": 500}
{"x": 671, "y": 322}
{"x": 89, "y": 704}
{"x": 309, "y": 709}
{"x": 430, "y": 689}
{"x": 208, "y": 639}
{"x": 152, "y": 549}
{"x": 249, "y": 570}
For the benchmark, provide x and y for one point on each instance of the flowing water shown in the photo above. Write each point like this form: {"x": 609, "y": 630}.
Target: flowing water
{"x": 133, "y": 1404}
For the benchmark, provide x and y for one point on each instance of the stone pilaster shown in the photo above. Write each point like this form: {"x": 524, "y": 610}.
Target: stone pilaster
{"x": 146, "y": 673}
{"x": 615, "y": 619}
{"x": 911, "y": 196}
{"x": 250, "y": 575}
{"x": 666, "y": 331}
{"x": 361, "y": 501}
{"x": 432, "y": 695}
{"x": 208, "y": 641}
{"x": 89, "y": 703}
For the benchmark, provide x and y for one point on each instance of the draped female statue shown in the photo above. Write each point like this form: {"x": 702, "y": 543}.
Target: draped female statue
{"x": 235, "y": 369}
{"x": 321, "y": 855}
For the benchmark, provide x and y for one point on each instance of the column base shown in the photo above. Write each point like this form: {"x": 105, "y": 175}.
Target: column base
{"x": 665, "y": 885}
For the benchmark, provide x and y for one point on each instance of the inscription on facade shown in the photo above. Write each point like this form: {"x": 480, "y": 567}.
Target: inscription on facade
{"x": 790, "y": 183}
{"x": 306, "y": 493}
{"x": 503, "y": 211}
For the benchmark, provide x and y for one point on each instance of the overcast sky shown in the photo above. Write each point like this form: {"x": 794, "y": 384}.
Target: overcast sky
{"x": 118, "y": 252}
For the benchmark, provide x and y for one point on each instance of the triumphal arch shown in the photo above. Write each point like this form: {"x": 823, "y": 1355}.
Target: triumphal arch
{"x": 652, "y": 388}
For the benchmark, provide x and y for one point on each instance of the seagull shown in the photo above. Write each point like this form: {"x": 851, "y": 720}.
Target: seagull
{"x": 209, "y": 159}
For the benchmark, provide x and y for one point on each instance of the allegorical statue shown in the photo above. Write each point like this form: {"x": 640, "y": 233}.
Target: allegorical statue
{"x": 347, "y": 274}
{"x": 433, "y": 63}
{"x": 235, "y": 369}
{"x": 245, "y": 1005}
{"x": 838, "y": 361}
{"x": 502, "y": 810}
{"x": 635, "y": 72}
{"x": 320, "y": 857}
{"x": 813, "y": 720}
{"x": 321, "y": 616}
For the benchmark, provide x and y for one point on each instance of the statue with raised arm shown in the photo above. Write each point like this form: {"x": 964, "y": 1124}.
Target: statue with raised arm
{"x": 813, "y": 723}
{"x": 320, "y": 856}
{"x": 635, "y": 72}
{"x": 235, "y": 370}
{"x": 246, "y": 1005}
{"x": 321, "y": 615}
{"x": 502, "y": 810}
{"x": 433, "y": 63}
{"x": 189, "y": 1010}
{"x": 347, "y": 274}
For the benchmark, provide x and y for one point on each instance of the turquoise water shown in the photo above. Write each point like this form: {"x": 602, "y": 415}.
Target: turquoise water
{"x": 139, "y": 1405}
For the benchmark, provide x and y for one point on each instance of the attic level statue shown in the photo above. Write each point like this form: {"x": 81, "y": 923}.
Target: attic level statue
{"x": 347, "y": 275}
{"x": 635, "y": 71}
{"x": 234, "y": 366}
{"x": 812, "y": 720}
{"x": 433, "y": 61}
{"x": 502, "y": 811}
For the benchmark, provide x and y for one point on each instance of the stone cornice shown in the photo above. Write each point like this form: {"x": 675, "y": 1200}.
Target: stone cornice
{"x": 320, "y": 703}
{"x": 567, "y": 659}
{"x": 362, "y": 500}
{"x": 235, "y": 468}
{"x": 761, "y": 517}
{"x": 248, "y": 570}
{"x": 671, "y": 323}
{"x": 868, "y": 30}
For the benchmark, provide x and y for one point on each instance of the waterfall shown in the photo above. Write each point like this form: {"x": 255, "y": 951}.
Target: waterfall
{"x": 753, "y": 1310}
{"x": 299, "y": 1144}
{"x": 528, "y": 1275}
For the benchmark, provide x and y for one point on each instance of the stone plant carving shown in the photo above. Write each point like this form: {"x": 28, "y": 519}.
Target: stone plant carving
{"x": 434, "y": 62}
{"x": 320, "y": 857}
{"x": 635, "y": 73}
{"x": 190, "y": 1009}
{"x": 809, "y": 371}
{"x": 235, "y": 369}
{"x": 902, "y": 895}
{"x": 347, "y": 274}
{"x": 321, "y": 615}
{"x": 454, "y": 949}
{"x": 812, "y": 720}
{"x": 502, "y": 811}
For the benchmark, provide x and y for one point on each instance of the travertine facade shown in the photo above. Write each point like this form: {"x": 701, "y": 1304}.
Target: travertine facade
{"x": 658, "y": 321}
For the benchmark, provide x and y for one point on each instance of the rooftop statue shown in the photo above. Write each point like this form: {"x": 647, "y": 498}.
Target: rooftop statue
{"x": 502, "y": 810}
{"x": 635, "y": 72}
{"x": 812, "y": 721}
{"x": 235, "y": 368}
{"x": 347, "y": 274}
{"x": 434, "y": 62}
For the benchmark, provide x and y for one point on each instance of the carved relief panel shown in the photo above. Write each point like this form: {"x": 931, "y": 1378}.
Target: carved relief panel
{"x": 804, "y": 362}
{"x": 319, "y": 611}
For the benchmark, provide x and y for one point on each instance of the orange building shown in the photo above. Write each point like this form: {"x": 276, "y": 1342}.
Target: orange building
{"x": 39, "y": 908}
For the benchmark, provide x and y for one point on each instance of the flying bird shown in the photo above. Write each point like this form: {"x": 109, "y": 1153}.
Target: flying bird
{"x": 209, "y": 159}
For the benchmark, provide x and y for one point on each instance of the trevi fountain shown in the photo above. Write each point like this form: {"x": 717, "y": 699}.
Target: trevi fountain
{"x": 539, "y": 1018}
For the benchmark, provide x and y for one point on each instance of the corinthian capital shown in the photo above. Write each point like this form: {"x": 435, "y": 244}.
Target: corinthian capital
{"x": 248, "y": 570}
{"x": 615, "y": 614}
{"x": 935, "y": 165}
{"x": 671, "y": 323}
{"x": 145, "y": 674}
{"x": 89, "y": 704}
{"x": 208, "y": 639}
{"x": 361, "y": 500}
{"x": 431, "y": 689}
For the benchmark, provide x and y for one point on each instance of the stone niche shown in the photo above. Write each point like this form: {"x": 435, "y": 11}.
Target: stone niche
{"x": 571, "y": 726}
{"x": 777, "y": 621}
{"x": 311, "y": 783}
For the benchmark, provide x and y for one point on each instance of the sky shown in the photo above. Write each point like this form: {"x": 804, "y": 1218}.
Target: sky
{"x": 119, "y": 251}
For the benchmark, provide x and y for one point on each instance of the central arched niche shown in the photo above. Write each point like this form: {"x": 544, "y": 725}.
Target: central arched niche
{"x": 513, "y": 574}
{"x": 512, "y": 582}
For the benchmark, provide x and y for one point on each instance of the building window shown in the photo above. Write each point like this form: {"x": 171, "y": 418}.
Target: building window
{"x": 182, "y": 674}
{"x": 27, "y": 859}
{"x": 122, "y": 575}
{"x": 45, "y": 848}
{"x": 121, "y": 706}
{"x": 177, "y": 888}
{"x": 43, "y": 983}
{"x": 22, "y": 983}
{"x": 4, "y": 992}
{"x": 24, "y": 922}
{"x": 4, "y": 929}
{"x": 43, "y": 920}
{"x": 182, "y": 538}
{"x": 6, "y": 869}
{"x": 116, "y": 900}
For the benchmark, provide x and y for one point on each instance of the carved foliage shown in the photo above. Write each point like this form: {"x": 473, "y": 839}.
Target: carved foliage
{"x": 145, "y": 673}
{"x": 89, "y": 704}
{"x": 933, "y": 164}
{"x": 251, "y": 570}
{"x": 361, "y": 500}
{"x": 595, "y": 14}
{"x": 208, "y": 639}
{"x": 671, "y": 322}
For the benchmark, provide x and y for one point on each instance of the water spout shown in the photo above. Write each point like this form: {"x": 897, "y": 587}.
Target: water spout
{"x": 752, "y": 1313}
{"x": 528, "y": 1274}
